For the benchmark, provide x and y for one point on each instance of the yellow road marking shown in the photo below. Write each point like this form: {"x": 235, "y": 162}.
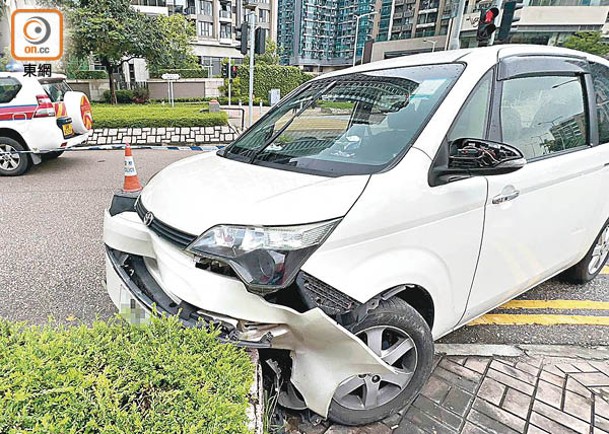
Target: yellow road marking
{"x": 605, "y": 270}
{"x": 546, "y": 320}
{"x": 556, "y": 304}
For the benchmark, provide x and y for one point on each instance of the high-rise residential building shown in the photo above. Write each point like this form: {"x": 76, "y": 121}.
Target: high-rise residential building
{"x": 423, "y": 25}
{"x": 321, "y": 33}
{"x": 216, "y": 23}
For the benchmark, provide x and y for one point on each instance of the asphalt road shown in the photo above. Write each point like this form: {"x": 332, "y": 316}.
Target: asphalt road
{"x": 51, "y": 253}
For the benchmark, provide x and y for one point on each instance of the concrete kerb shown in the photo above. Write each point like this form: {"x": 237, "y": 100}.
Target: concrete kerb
{"x": 525, "y": 350}
{"x": 255, "y": 408}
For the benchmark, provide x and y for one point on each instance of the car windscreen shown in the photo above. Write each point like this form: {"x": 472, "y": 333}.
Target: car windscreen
{"x": 56, "y": 89}
{"x": 351, "y": 124}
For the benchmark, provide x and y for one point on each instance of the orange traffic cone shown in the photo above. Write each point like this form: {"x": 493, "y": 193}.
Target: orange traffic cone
{"x": 132, "y": 182}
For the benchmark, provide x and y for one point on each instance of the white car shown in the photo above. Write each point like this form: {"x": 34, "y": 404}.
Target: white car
{"x": 39, "y": 114}
{"x": 374, "y": 210}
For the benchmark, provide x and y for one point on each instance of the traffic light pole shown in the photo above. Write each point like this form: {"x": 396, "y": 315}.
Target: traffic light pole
{"x": 230, "y": 79}
{"x": 455, "y": 30}
{"x": 252, "y": 41}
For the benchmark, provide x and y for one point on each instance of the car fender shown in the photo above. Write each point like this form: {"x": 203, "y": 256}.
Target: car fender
{"x": 382, "y": 273}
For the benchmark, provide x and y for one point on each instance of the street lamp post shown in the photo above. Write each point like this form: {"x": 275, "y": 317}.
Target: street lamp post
{"x": 433, "y": 48}
{"x": 358, "y": 17}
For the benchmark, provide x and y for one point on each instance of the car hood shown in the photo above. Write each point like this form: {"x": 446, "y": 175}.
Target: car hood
{"x": 197, "y": 193}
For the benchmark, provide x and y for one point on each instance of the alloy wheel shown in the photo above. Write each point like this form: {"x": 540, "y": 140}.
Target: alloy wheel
{"x": 9, "y": 158}
{"x": 369, "y": 391}
{"x": 600, "y": 252}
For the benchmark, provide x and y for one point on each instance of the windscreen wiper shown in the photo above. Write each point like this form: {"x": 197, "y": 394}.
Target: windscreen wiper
{"x": 288, "y": 123}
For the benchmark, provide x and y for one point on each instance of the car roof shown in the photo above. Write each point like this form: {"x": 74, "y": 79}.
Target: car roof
{"x": 468, "y": 55}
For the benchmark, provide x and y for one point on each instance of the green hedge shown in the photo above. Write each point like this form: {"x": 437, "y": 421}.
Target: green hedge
{"x": 155, "y": 116}
{"x": 184, "y": 73}
{"x": 90, "y": 75}
{"x": 267, "y": 77}
{"x": 117, "y": 378}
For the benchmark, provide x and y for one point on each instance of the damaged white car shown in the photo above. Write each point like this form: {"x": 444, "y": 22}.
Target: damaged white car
{"x": 374, "y": 210}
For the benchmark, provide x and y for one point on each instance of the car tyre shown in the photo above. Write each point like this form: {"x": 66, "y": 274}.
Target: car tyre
{"x": 47, "y": 156}
{"x": 594, "y": 261}
{"x": 397, "y": 320}
{"x": 12, "y": 164}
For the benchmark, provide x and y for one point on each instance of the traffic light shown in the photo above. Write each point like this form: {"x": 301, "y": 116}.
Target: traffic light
{"x": 225, "y": 70}
{"x": 242, "y": 34}
{"x": 233, "y": 72}
{"x": 486, "y": 26}
{"x": 260, "y": 41}
{"x": 509, "y": 9}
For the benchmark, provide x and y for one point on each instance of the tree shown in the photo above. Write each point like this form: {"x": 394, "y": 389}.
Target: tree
{"x": 115, "y": 33}
{"x": 271, "y": 54}
{"x": 589, "y": 42}
{"x": 177, "y": 33}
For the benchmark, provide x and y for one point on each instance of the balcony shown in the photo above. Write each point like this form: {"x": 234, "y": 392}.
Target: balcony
{"x": 408, "y": 13}
{"x": 225, "y": 15}
{"x": 397, "y": 15}
{"x": 425, "y": 25}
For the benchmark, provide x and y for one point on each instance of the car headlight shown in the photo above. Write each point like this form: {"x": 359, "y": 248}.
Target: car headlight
{"x": 268, "y": 257}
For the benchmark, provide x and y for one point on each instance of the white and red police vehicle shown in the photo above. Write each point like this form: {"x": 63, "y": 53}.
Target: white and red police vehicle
{"x": 41, "y": 115}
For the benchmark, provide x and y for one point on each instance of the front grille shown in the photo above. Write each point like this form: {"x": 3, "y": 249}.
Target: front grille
{"x": 163, "y": 230}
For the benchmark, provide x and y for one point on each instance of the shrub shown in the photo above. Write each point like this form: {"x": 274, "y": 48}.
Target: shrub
{"x": 184, "y": 73}
{"x": 118, "y": 378}
{"x": 141, "y": 95}
{"x": 267, "y": 77}
{"x": 90, "y": 75}
{"x": 122, "y": 96}
{"x": 155, "y": 116}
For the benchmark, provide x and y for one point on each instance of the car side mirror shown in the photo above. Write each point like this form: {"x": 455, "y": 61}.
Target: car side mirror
{"x": 464, "y": 158}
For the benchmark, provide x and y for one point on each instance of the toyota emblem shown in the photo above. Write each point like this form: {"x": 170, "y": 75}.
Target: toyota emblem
{"x": 148, "y": 218}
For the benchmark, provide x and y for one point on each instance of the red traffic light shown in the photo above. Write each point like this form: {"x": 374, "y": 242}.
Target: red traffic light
{"x": 490, "y": 15}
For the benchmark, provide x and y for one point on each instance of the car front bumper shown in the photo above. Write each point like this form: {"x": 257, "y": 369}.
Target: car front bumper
{"x": 151, "y": 271}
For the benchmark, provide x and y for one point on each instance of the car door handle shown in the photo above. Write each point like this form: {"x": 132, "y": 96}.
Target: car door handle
{"x": 506, "y": 197}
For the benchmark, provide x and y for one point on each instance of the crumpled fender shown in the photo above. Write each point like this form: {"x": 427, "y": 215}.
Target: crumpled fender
{"x": 323, "y": 353}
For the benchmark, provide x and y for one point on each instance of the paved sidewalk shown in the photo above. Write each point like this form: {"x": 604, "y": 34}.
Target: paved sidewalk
{"x": 544, "y": 390}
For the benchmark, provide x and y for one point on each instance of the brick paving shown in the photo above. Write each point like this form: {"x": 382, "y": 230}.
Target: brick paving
{"x": 503, "y": 395}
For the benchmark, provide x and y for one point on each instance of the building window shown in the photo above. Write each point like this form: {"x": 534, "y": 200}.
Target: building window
{"x": 206, "y": 29}
{"x": 263, "y": 15}
{"x": 225, "y": 31}
{"x": 205, "y": 7}
{"x": 149, "y": 3}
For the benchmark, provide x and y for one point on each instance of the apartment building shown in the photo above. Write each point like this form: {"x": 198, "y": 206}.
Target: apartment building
{"x": 320, "y": 34}
{"x": 420, "y": 25}
{"x": 216, "y": 23}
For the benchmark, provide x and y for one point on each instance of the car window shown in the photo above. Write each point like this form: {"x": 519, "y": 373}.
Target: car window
{"x": 9, "y": 88}
{"x": 543, "y": 115}
{"x": 56, "y": 90}
{"x": 471, "y": 121}
{"x": 351, "y": 124}
{"x": 600, "y": 76}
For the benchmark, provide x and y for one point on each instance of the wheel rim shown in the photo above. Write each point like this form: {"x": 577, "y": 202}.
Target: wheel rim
{"x": 9, "y": 158}
{"x": 600, "y": 252}
{"x": 369, "y": 391}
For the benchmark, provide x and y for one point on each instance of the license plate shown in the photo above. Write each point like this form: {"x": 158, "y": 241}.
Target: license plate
{"x": 131, "y": 309}
{"x": 67, "y": 130}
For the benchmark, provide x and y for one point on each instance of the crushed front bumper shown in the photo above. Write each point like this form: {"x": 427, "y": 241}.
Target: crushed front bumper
{"x": 155, "y": 272}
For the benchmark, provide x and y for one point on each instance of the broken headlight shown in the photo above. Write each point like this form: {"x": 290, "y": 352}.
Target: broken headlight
{"x": 262, "y": 256}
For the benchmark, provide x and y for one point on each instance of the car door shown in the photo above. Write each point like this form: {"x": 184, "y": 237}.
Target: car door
{"x": 536, "y": 218}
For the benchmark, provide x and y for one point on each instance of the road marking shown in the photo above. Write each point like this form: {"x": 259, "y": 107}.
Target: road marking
{"x": 546, "y": 320}
{"x": 605, "y": 270}
{"x": 556, "y": 304}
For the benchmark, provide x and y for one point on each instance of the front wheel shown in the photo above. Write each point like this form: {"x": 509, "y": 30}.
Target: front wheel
{"x": 11, "y": 162}
{"x": 594, "y": 261}
{"x": 398, "y": 334}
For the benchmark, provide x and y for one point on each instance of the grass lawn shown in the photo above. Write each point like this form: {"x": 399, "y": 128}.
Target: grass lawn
{"x": 117, "y": 378}
{"x": 155, "y": 115}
